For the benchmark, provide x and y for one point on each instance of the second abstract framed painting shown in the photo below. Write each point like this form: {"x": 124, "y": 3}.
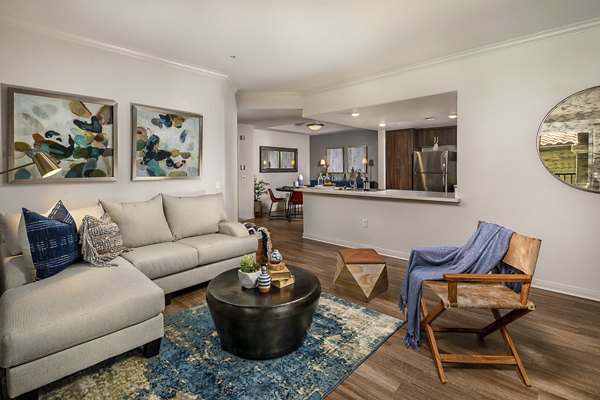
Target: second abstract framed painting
{"x": 167, "y": 144}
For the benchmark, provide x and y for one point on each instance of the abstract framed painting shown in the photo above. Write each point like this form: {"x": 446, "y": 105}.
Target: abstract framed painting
{"x": 167, "y": 144}
{"x": 78, "y": 132}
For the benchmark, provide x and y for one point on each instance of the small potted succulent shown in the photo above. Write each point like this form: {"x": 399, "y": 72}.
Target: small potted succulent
{"x": 249, "y": 271}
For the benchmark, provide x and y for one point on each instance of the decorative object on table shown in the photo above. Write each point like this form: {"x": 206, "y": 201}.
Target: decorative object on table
{"x": 568, "y": 140}
{"x": 77, "y": 132}
{"x": 264, "y": 281}
{"x": 260, "y": 189}
{"x": 361, "y": 273}
{"x": 342, "y": 336}
{"x": 283, "y": 282}
{"x": 167, "y": 143}
{"x": 100, "y": 240}
{"x": 275, "y": 256}
{"x": 266, "y": 247}
{"x": 280, "y": 272}
{"x": 300, "y": 180}
{"x": 48, "y": 244}
{"x": 249, "y": 271}
{"x": 352, "y": 178}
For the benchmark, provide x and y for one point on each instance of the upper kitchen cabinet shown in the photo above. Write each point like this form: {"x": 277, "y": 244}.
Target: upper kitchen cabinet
{"x": 425, "y": 137}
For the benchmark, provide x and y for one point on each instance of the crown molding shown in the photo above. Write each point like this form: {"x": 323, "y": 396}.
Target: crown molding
{"x": 23, "y": 24}
{"x": 243, "y": 93}
{"x": 523, "y": 40}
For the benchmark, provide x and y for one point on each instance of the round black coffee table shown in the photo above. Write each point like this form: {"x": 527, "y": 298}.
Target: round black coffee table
{"x": 261, "y": 326}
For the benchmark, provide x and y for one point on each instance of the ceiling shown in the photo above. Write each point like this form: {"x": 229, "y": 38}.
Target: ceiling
{"x": 302, "y": 46}
{"x": 285, "y": 45}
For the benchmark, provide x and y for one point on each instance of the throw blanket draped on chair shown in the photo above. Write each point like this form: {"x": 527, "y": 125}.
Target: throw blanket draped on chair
{"x": 484, "y": 251}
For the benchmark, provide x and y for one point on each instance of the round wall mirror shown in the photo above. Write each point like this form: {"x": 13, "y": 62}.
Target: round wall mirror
{"x": 569, "y": 140}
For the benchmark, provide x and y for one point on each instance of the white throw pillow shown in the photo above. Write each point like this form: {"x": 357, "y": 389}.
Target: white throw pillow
{"x": 141, "y": 223}
{"x": 193, "y": 216}
{"x": 94, "y": 210}
{"x": 9, "y": 227}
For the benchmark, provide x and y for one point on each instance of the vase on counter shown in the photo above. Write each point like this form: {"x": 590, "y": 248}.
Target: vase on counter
{"x": 264, "y": 281}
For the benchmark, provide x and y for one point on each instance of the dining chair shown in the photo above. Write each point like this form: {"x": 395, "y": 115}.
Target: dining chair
{"x": 274, "y": 200}
{"x": 485, "y": 291}
{"x": 295, "y": 205}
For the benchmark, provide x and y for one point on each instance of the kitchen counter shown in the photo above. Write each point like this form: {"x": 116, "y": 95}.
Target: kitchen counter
{"x": 386, "y": 194}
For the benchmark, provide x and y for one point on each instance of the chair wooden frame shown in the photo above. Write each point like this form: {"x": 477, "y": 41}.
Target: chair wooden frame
{"x": 522, "y": 254}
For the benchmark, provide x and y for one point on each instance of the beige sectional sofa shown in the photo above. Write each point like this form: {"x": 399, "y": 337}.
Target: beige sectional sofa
{"x": 54, "y": 327}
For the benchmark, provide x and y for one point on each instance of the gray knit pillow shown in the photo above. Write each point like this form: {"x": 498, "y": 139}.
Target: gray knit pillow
{"x": 100, "y": 240}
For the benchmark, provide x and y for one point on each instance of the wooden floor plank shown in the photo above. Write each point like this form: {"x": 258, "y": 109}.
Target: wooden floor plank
{"x": 559, "y": 342}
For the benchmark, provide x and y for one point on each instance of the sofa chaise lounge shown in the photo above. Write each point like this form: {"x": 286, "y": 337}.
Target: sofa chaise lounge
{"x": 59, "y": 325}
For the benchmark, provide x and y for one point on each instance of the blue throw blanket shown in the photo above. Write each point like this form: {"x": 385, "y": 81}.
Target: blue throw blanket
{"x": 484, "y": 251}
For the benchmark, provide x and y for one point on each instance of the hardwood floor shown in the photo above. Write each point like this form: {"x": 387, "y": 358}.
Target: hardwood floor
{"x": 559, "y": 343}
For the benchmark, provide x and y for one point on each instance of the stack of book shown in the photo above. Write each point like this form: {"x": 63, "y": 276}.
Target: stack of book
{"x": 280, "y": 275}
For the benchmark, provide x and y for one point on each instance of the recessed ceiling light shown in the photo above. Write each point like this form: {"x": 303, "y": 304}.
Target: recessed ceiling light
{"x": 453, "y": 115}
{"x": 430, "y": 118}
{"x": 355, "y": 114}
{"x": 382, "y": 124}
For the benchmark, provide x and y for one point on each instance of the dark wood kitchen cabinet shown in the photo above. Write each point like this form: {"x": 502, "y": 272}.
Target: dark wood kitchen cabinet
{"x": 399, "y": 146}
{"x": 426, "y": 137}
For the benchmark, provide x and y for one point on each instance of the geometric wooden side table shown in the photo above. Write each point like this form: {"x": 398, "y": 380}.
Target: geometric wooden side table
{"x": 361, "y": 273}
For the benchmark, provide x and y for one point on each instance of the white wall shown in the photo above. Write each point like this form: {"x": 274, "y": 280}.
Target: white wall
{"x": 281, "y": 139}
{"x": 503, "y": 95}
{"x": 247, "y": 158}
{"x": 44, "y": 62}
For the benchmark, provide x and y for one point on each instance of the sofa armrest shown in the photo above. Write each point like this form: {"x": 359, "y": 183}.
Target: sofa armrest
{"x": 235, "y": 229}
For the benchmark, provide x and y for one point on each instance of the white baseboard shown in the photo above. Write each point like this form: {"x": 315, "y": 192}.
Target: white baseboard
{"x": 344, "y": 243}
{"x": 566, "y": 289}
{"x": 537, "y": 283}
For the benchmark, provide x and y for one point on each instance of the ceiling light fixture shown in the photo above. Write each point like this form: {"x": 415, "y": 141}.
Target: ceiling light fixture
{"x": 430, "y": 119}
{"x": 355, "y": 114}
{"x": 382, "y": 124}
{"x": 315, "y": 126}
{"x": 452, "y": 116}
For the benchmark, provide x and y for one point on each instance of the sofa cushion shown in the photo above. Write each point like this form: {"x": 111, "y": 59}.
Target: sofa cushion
{"x": 217, "y": 247}
{"x": 9, "y": 227}
{"x": 236, "y": 229}
{"x": 50, "y": 242}
{"x": 162, "y": 259}
{"x": 141, "y": 223}
{"x": 75, "y": 306}
{"x": 192, "y": 216}
{"x": 94, "y": 210}
{"x": 15, "y": 272}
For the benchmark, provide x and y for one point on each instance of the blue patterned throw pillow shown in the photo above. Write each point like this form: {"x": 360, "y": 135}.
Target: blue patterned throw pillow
{"x": 52, "y": 240}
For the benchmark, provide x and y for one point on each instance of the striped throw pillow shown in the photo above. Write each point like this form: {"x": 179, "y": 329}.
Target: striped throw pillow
{"x": 52, "y": 240}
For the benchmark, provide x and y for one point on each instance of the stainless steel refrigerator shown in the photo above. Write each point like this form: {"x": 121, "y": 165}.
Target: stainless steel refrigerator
{"x": 434, "y": 171}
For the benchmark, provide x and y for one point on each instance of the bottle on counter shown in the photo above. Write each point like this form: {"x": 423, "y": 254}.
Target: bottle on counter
{"x": 300, "y": 180}
{"x": 366, "y": 184}
{"x": 320, "y": 180}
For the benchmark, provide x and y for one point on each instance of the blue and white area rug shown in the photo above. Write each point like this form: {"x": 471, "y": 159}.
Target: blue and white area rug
{"x": 192, "y": 365}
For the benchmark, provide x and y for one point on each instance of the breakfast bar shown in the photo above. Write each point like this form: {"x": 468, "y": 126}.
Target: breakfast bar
{"x": 384, "y": 220}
